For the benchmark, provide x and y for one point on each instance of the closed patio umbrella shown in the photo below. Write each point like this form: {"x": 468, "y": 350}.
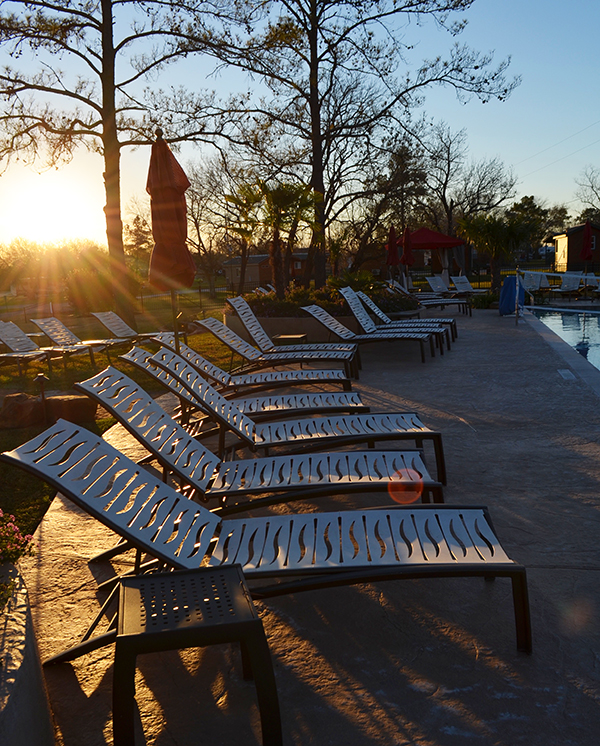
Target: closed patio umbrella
{"x": 171, "y": 264}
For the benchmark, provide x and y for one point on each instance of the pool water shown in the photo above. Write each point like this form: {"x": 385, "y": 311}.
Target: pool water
{"x": 580, "y": 330}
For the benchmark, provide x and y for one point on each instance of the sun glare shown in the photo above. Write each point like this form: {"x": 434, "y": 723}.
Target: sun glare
{"x": 49, "y": 207}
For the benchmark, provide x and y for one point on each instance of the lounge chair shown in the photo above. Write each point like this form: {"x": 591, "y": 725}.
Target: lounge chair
{"x": 62, "y": 336}
{"x": 463, "y": 286}
{"x": 368, "y": 326}
{"x": 369, "y": 303}
{"x": 264, "y": 343}
{"x": 118, "y": 328}
{"x": 432, "y": 300}
{"x": 261, "y": 407}
{"x": 569, "y": 286}
{"x": 438, "y": 286}
{"x": 256, "y": 359}
{"x": 24, "y": 349}
{"x": 228, "y": 384}
{"x": 233, "y": 486}
{"x": 307, "y": 434}
{"x": 338, "y": 329}
{"x": 295, "y": 552}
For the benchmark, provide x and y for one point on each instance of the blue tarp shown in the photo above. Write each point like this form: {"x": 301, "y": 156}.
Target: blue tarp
{"x": 506, "y": 305}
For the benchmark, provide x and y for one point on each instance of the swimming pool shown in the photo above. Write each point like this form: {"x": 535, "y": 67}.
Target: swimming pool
{"x": 581, "y": 330}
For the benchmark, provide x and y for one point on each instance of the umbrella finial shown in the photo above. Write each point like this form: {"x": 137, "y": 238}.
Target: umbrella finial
{"x": 159, "y": 133}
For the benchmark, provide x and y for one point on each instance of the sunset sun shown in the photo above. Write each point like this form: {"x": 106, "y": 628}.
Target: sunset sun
{"x": 52, "y": 206}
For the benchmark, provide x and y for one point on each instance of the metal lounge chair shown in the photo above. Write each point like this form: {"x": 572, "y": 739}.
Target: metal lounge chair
{"x": 118, "y": 328}
{"x": 264, "y": 343}
{"x": 24, "y": 349}
{"x": 298, "y": 435}
{"x": 437, "y": 285}
{"x": 259, "y": 407}
{"x": 297, "y": 552}
{"x": 338, "y": 329}
{"x": 256, "y": 359}
{"x": 233, "y": 486}
{"x": 21, "y": 350}
{"x": 368, "y": 326}
{"x": 432, "y": 300}
{"x": 231, "y": 384}
{"x": 463, "y": 286}
{"x": 370, "y": 304}
{"x": 62, "y": 336}
{"x": 569, "y": 285}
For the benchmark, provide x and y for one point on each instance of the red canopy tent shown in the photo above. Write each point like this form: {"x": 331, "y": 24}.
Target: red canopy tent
{"x": 424, "y": 239}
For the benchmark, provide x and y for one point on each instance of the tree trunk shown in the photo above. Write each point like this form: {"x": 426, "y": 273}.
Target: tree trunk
{"x": 277, "y": 264}
{"x": 316, "y": 253}
{"x": 495, "y": 274}
{"x": 124, "y": 300}
{"x": 243, "y": 264}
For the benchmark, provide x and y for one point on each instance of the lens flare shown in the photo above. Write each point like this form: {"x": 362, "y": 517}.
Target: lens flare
{"x": 406, "y": 486}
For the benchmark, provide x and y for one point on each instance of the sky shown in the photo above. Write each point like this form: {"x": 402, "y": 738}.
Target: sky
{"x": 547, "y": 132}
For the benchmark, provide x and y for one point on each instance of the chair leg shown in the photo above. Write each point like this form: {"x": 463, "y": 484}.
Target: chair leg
{"x": 522, "y": 615}
{"x": 259, "y": 658}
{"x": 123, "y": 696}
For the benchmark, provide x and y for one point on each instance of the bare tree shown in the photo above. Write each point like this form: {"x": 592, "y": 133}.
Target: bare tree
{"x": 337, "y": 77}
{"x": 589, "y": 192}
{"x": 456, "y": 187}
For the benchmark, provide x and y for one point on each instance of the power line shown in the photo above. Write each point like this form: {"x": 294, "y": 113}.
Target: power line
{"x": 558, "y": 160}
{"x": 560, "y": 142}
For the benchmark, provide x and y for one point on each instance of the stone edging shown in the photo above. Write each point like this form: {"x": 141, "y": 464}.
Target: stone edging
{"x": 25, "y": 717}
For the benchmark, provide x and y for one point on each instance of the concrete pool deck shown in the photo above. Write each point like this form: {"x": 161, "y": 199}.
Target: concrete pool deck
{"x": 404, "y": 662}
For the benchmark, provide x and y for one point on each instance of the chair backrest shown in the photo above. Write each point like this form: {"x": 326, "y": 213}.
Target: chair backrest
{"x": 119, "y": 493}
{"x": 531, "y": 281}
{"x": 55, "y": 330}
{"x": 115, "y": 324}
{"x": 224, "y": 411}
{"x": 332, "y": 324}
{"x": 437, "y": 284}
{"x": 462, "y": 284}
{"x": 370, "y": 303}
{"x": 230, "y": 338}
{"x": 251, "y": 324}
{"x": 151, "y": 425}
{"x": 15, "y": 339}
{"x": 570, "y": 281}
{"x": 167, "y": 339}
{"x": 142, "y": 360}
{"x": 366, "y": 322}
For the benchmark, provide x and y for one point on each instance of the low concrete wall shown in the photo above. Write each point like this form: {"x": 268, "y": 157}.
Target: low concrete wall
{"x": 25, "y": 718}
{"x": 314, "y": 330}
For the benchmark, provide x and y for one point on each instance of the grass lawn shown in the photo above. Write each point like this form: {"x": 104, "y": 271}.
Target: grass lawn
{"x": 26, "y": 497}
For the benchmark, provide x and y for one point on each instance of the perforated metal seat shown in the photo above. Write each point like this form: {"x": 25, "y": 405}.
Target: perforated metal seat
{"x": 195, "y": 608}
{"x": 229, "y": 383}
{"x": 305, "y": 434}
{"x": 298, "y": 552}
{"x": 339, "y": 330}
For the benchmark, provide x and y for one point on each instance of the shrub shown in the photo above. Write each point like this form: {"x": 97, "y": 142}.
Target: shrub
{"x": 13, "y": 544}
{"x": 328, "y": 298}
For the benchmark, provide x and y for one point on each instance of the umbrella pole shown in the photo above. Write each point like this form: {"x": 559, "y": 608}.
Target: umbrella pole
{"x": 174, "y": 310}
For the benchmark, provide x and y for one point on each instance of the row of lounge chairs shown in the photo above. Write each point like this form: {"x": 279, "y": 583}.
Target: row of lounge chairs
{"x": 188, "y": 528}
{"x": 64, "y": 343}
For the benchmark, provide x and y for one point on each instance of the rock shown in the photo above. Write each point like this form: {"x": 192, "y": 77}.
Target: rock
{"x": 71, "y": 407}
{"x": 22, "y": 410}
